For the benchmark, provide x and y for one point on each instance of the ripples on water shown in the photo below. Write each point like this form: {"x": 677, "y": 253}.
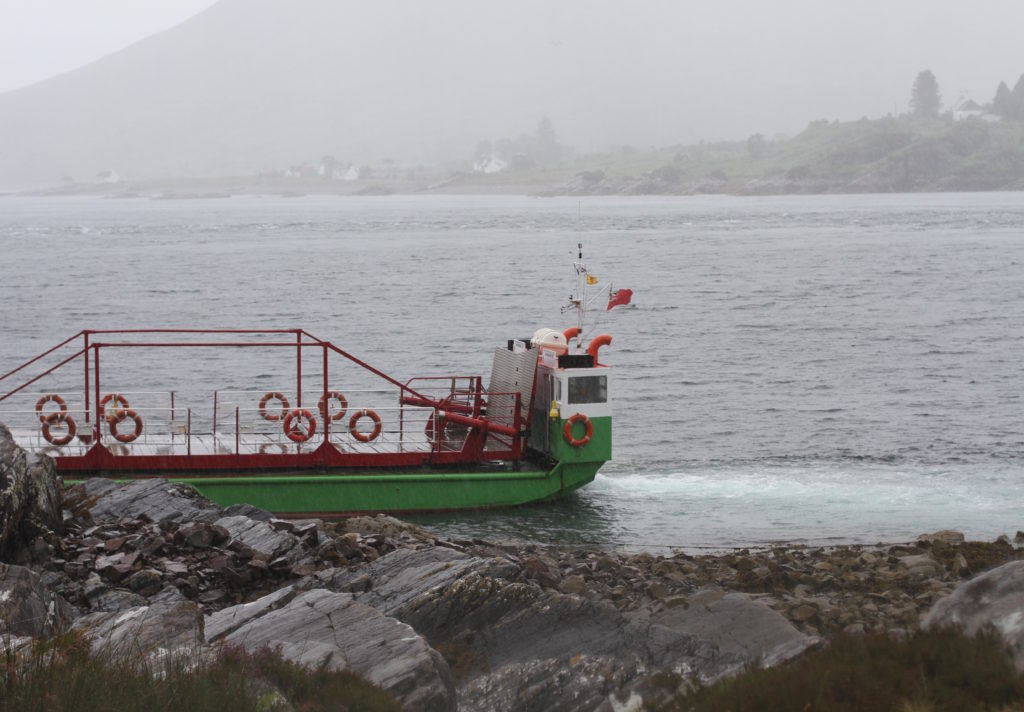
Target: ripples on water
{"x": 797, "y": 368}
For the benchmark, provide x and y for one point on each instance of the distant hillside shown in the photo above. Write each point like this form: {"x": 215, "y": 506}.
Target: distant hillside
{"x": 250, "y": 84}
{"x": 880, "y": 156}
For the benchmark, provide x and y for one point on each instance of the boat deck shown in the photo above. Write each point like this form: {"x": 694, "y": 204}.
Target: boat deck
{"x": 333, "y": 411}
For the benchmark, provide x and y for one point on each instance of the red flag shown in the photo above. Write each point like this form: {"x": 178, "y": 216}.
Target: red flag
{"x": 619, "y": 297}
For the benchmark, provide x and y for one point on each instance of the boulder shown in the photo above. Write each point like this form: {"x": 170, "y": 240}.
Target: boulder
{"x": 509, "y": 639}
{"x": 30, "y": 499}
{"x": 748, "y": 630}
{"x": 164, "y": 631}
{"x": 263, "y": 537}
{"x": 154, "y": 500}
{"x": 28, "y": 607}
{"x": 324, "y": 628}
{"x": 995, "y": 598}
{"x": 943, "y": 536}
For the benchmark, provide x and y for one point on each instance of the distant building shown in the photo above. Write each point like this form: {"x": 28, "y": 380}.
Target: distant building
{"x": 970, "y": 109}
{"x": 489, "y": 164}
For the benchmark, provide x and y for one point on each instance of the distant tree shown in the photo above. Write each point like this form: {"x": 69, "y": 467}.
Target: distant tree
{"x": 328, "y": 166}
{"x": 1018, "y": 89}
{"x": 1004, "y": 105}
{"x": 924, "y": 97}
{"x": 546, "y": 146}
{"x": 757, "y": 146}
{"x": 1018, "y": 98}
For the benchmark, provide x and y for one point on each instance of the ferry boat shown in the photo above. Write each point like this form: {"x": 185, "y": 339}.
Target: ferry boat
{"x": 337, "y": 436}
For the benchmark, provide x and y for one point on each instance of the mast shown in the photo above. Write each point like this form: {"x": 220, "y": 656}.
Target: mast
{"x": 578, "y": 300}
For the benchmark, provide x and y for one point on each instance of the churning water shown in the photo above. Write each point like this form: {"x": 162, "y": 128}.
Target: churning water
{"x": 813, "y": 368}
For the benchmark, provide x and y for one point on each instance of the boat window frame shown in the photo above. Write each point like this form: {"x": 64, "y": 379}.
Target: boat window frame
{"x": 592, "y": 387}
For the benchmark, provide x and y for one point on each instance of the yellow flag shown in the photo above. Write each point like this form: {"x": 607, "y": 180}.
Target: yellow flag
{"x": 591, "y": 279}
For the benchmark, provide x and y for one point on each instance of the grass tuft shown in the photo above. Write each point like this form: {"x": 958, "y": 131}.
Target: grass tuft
{"x": 64, "y": 673}
{"x": 931, "y": 671}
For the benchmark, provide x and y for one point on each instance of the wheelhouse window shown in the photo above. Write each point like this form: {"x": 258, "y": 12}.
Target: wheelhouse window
{"x": 588, "y": 389}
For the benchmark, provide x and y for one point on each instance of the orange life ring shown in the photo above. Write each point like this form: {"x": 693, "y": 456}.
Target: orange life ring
{"x": 567, "y": 431}
{"x": 354, "y": 421}
{"x": 270, "y": 395}
{"x": 59, "y": 417}
{"x": 294, "y": 430}
{"x": 44, "y": 400}
{"x": 324, "y": 400}
{"x": 120, "y": 416}
{"x": 117, "y": 398}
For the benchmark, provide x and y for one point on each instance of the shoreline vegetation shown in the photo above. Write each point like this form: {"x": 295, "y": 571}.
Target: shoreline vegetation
{"x": 889, "y": 155}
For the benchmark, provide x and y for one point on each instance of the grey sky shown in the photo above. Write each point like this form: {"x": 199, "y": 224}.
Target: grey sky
{"x": 42, "y": 38}
{"x": 609, "y": 71}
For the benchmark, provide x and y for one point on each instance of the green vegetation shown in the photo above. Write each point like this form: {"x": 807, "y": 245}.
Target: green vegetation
{"x": 65, "y": 674}
{"x": 969, "y": 147}
{"x": 867, "y": 156}
{"x": 931, "y": 671}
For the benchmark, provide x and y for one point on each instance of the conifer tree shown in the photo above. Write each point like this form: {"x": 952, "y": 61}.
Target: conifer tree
{"x": 924, "y": 98}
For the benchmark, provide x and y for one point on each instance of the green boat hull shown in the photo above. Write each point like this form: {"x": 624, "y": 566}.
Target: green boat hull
{"x": 351, "y": 493}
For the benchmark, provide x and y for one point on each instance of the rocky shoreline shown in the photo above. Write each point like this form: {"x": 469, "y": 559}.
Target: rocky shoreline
{"x": 152, "y": 568}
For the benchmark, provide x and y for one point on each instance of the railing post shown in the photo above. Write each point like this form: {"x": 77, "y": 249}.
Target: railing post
{"x": 401, "y": 418}
{"x": 326, "y": 414}
{"x": 517, "y": 444}
{"x": 236, "y": 430}
{"x": 298, "y": 368}
{"x": 188, "y": 432}
{"x": 215, "y": 415}
{"x": 96, "y": 384}
{"x": 85, "y": 353}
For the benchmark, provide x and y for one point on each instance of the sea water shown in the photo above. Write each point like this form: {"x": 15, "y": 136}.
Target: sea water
{"x": 816, "y": 369}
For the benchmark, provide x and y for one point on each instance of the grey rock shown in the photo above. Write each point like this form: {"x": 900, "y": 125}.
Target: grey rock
{"x": 155, "y": 500}
{"x": 746, "y": 629}
{"x": 943, "y": 536}
{"x": 30, "y": 499}
{"x": 161, "y": 631}
{"x": 920, "y": 565}
{"x": 262, "y": 537}
{"x": 581, "y": 683}
{"x": 993, "y": 598}
{"x": 247, "y": 510}
{"x": 324, "y": 628}
{"x": 28, "y": 607}
{"x": 506, "y": 634}
{"x": 113, "y": 599}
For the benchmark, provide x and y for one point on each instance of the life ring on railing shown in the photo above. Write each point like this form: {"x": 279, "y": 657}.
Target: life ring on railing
{"x": 269, "y": 396}
{"x": 567, "y": 431}
{"x": 325, "y": 400}
{"x": 354, "y": 421}
{"x": 117, "y": 398}
{"x": 44, "y": 400}
{"x": 294, "y": 430}
{"x": 59, "y": 417}
{"x": 120, "y": 416}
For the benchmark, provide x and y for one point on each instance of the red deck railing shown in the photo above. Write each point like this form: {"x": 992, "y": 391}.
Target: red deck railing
{"x": 459, "y": 407}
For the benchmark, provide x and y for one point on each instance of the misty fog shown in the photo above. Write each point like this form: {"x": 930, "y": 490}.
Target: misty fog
{"x": 253, "y": 83}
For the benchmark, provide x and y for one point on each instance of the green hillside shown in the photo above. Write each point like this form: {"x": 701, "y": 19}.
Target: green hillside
{"x": 867, "y": 156}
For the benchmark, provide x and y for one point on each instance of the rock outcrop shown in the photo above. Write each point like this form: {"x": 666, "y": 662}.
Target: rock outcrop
{"x": 30, "y": 502}
{"x": 28, "y": 607}
{"x": 320, "y": 628}
{"x": 995, "y": 598}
